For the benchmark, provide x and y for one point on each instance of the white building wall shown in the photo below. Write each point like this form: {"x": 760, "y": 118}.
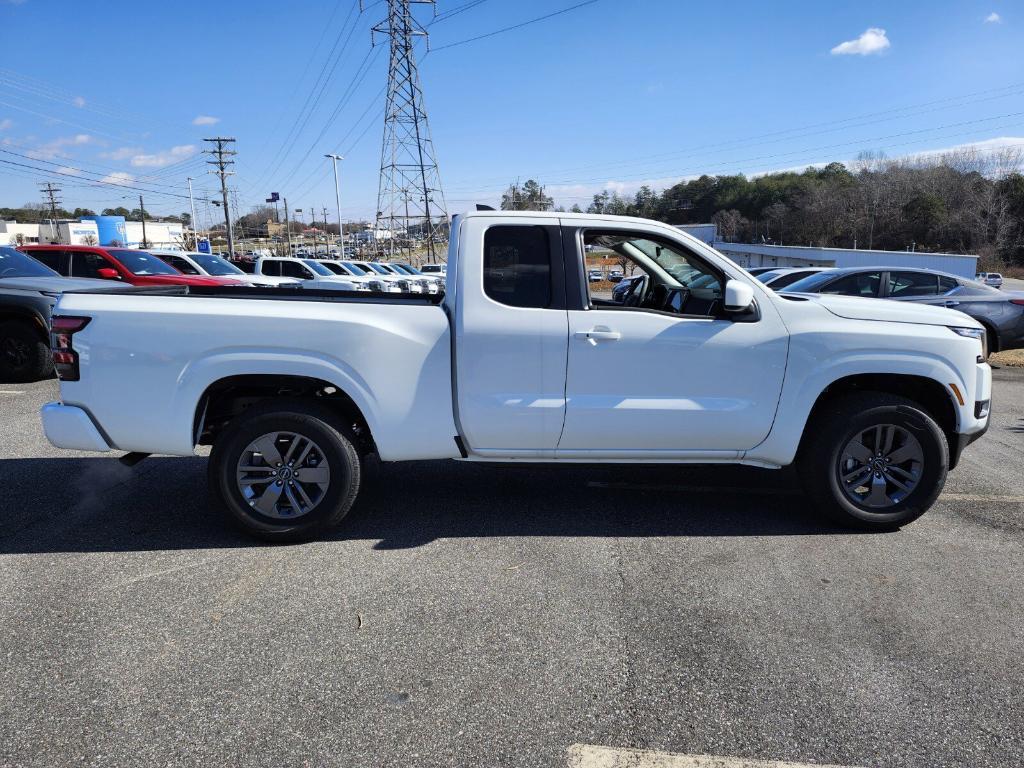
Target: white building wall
{"x": 78, "y": 232}
{"x": 9, "y": 231}
{"x": 160, "y": 234}
{"x": 706, "y": 233}
{"x": 756, "y": 255}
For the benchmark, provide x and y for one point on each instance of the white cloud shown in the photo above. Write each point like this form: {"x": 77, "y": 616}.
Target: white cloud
{"x": 69, "y": 171}
{"x": 54, "y": 149}
{"x": 6, "y": 124}
{"x": 78, "y": 101}
{"x": 165, "y": 157}
{"x": 205, "y": 120}
{"x": 872, "y": 41}
{"x": 121, "y": 153}
{"x": 119, "y": 177}
{"x": 993, "y": 18}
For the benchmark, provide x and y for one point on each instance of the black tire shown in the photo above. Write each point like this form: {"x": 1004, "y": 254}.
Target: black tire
{"x": 840, "y": 420}
{"x": 311, "y": 421}
{"x": 24, "y": 353}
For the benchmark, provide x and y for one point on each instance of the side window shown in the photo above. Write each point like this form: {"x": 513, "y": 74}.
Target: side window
{"x": 947, "y": 284}
{"x": 270, "y": 268}
{"x": 650, "y": 273}
{"x": 293, "y": 269}
{"x": 180, "y": 264}
{"x": 858, "y": 284}
{"x": 87, "y": 264}
{"x": 517, "y": 266}
{"x": 910, "y": 284}
{"x": 53, "y": 259}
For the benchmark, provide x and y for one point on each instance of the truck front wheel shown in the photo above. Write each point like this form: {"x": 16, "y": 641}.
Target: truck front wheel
{"x": 285, "y": 472}
{"x": 873, "y": 461}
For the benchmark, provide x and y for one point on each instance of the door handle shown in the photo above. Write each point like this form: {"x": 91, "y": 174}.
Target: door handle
{"x": 951, "y": 303}
{"x": 599, "y": 334}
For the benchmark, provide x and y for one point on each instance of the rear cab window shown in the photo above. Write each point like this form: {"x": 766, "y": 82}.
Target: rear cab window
{"x": 518, "y": 266}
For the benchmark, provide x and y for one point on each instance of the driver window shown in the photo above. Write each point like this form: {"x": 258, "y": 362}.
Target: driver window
{"x": 630, "y": 270}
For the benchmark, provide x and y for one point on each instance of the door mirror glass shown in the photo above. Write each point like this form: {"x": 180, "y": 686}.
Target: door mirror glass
{"x": 108, "y": 273}
{"x": 739, "y": 297}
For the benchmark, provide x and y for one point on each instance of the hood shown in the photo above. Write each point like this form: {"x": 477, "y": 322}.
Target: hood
{"x": 58, "y": 284}
{"x": 855, "y": 308}
{"x": 190, "y": 280}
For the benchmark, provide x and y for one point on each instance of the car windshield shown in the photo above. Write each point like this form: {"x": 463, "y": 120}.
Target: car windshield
{"x": 355, "y": 268}
{"x": 142, "y": 263}
{"x": 14, "y": 263}
{"x": 216, "y": 265}
{"x": 809, "y": 284}
{"x": 764, "y": 277}
{"x": 409, "y": 268}
{"x": 334, "y": 267}
{"x": 375, "y": 267}
{"x": 317, "y": 267}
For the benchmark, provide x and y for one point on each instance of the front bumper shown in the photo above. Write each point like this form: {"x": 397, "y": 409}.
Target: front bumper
{"x": 67, "y": 426}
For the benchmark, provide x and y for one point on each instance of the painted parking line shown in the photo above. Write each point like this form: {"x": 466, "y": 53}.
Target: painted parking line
{"x": 12, "y": 392}
{"x": 994, "y": 498}
{"x": 589, "y": 756}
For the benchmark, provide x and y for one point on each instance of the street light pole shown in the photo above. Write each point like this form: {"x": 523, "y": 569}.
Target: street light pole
{"x": 192, "y": 203}
{"x": 337, "y": 197}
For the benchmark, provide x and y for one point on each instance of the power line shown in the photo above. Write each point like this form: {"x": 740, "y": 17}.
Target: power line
{"x": 516, "y": 26}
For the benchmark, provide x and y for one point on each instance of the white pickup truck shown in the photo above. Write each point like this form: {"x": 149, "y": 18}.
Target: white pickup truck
{"x": 524, "y": 360}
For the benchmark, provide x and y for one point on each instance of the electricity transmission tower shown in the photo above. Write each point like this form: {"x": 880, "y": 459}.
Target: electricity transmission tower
{"x": 223, "y": 162}
{"x": 51, "y": 193}
{"x": 409, "y": 196}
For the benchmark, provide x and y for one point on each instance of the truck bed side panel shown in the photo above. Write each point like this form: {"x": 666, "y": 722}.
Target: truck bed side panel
{"x": 147, "y": 360}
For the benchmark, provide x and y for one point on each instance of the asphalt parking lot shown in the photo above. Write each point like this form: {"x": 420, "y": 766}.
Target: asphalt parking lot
{"x": 488, "y": 616}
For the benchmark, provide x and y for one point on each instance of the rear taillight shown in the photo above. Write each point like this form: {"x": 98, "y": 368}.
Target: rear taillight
{"x": 1018, "y": 302}
{"x": 65, "y": 359}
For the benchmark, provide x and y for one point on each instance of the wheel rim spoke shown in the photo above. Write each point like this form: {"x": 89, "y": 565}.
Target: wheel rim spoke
{"x": 283, "y": 487}
{"x": 884, "y": 475}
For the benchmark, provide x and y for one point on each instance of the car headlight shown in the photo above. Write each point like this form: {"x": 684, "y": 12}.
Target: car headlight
{"x": 362, "y": 287}
{"x": 973, "y": 333}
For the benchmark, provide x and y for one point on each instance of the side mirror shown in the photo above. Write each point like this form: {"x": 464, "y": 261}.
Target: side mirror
{"x": 739, "y": 297}
{"x": 108, "y": 273}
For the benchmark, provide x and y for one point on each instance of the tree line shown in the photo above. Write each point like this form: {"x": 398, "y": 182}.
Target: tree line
{"x": 962, "y": 202}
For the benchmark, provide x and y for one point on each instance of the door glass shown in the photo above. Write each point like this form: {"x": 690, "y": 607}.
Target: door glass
{"x": 87, "y": 264}
{"x": 859, "y": 284}
{"x": 947, "y": 284}
{"x": 180, "y": 264}
{"x": 659, "y": 275}
{"x": 294, "y": 269}
{"x": 52, "y": 259}
{"x": 903, "y": 285}
{"x": 517, "y": 266}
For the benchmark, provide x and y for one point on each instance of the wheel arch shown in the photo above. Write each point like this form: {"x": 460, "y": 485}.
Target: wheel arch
{"x": 28, "y": 316}
{"x": 227, "y": 398}
{"x": 934, "y": 397}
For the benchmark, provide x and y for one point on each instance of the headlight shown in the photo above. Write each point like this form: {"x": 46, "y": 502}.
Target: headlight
{"x": 362, "y": 287}
{"x": 973, "y": 333}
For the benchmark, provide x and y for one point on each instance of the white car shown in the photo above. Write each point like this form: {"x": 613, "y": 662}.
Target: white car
{"x": 434, "y": 269}
{"x": 308, "y": 272}
{"x": 406, "y": 283}
{"x": 352, "y": 272}
{"x": 873, "y": 401}
{"x": 196, "y": 263}
{"x": 992, "y": 279}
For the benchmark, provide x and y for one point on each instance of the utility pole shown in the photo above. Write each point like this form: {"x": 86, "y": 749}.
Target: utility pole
{"x": 287, "y": 226}
{"x": 337, "y": 197}
{"x": 51, "y": 193}
{"x": 142, "y": 213}
{"x": 408, "y": 167}
{"x": 223, "y": 161}
{"x": 327, "y": 235}
{"x": 192, "y": 203}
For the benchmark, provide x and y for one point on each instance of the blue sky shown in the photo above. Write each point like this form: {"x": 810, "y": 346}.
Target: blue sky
{"x": 609, "y": 95}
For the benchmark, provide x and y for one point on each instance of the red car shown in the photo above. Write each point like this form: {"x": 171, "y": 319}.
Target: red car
{"x": 131, "y": 266}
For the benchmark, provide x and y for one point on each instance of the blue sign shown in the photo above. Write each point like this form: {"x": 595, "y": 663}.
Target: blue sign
{"x": 203, "y": 246}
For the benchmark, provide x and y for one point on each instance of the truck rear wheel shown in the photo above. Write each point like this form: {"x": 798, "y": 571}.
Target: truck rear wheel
{"x": 873, "y": 461}
{"x": 285, "y": 472}
{"x": 24, "y": 353}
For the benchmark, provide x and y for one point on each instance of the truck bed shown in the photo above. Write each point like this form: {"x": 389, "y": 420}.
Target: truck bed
{"x": 272, "y": 294}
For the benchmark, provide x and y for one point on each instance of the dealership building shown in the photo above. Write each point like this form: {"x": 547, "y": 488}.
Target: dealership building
{"x": 750, "y": 255}
{"x": 95, "y": 230}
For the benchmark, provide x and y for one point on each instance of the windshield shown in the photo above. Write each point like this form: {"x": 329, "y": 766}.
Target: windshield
{"x": 809, "y": 284}
{"x": 409, "y": 269}
{"x": 14, "y": 263}
{"x": 216, "y": 265}
{"x": 317, "y": 267}
{"x": 355, "y": 268}
{"x": 142, "y": 263}
{"x": 335, "y": 267}
{"x": 375, "y": 267}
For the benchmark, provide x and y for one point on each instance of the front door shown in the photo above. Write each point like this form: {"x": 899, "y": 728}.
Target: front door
{"x": 661, "y": 369}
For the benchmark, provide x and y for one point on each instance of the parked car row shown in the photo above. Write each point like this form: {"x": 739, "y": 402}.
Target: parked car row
{"x": 34, "y": 276}
{"x": 1001, "y": 312}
